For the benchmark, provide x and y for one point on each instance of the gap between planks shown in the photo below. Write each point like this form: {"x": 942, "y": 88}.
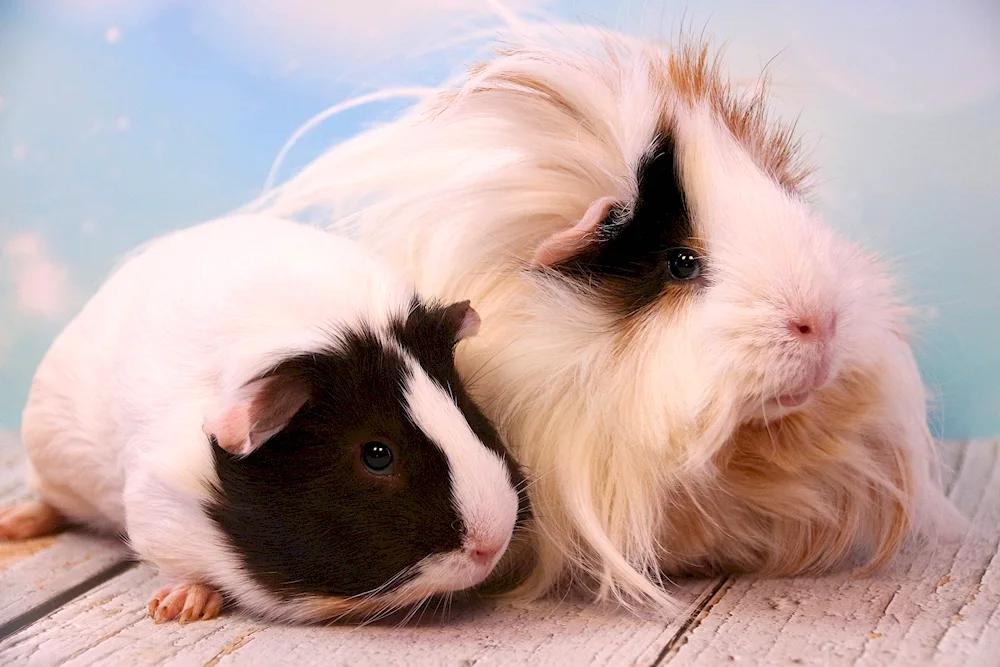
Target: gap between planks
{"x": 66, "y": 561}
{"x": 41, "y": 571}
{"x": 42, "y": 575}
{"x": 953, "y": 455}
{"x": 702, "y": 609}
{"x": 110, "y": 626}
{"x": 711, "y": 614}
{"x": 938, "y": 606}
{"x": 56, "y": 602}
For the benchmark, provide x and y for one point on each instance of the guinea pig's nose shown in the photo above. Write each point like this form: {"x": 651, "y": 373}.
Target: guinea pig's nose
{"x": 813, "y": 328}
{"x": 484, "y": 553}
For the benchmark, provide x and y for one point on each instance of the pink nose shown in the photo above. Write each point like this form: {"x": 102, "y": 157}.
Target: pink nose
{"x": 811, "y": 329}
{"x": 484, "y": 554}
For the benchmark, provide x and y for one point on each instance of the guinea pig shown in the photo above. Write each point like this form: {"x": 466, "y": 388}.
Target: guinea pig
{"x": 700, "y": 373}
{"x": 270, "y": 415}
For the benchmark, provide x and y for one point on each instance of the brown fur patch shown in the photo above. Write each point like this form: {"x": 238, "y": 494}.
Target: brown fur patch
{"x": 816, "y": 491}
{"x": 673, "y": 299}
{"x": 695, "y": 76}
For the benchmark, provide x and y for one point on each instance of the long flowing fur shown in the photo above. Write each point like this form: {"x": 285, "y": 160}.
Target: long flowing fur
{"x": 646, "y": 434}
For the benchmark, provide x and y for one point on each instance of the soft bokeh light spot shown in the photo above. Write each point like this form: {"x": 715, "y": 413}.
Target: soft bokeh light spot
{"x": 39, "y": 282}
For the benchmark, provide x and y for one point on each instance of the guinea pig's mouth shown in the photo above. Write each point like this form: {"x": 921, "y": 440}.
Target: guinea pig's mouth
{"x": 786, "y": 403}
{"x": 774, "y": 409}
{"x": 458, "y": 570}
{"x": 792, "y": 400}
{"x": 797, "y": 395}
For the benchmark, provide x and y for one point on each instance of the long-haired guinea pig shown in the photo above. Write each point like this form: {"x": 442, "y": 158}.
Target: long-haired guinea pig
{"x": 269, "y": 414}
{"x": 701, "y": 375}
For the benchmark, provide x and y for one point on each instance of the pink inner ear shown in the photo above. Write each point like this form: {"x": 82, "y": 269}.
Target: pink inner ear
{"x": 259, "y": 410}
{"x": 231, "y": 428}
{"x": 565, "y": 244}
{"x": 470, "y": 325}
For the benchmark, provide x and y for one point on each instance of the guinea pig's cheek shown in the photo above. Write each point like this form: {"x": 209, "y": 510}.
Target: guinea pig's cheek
{"x": 695, "y": 368}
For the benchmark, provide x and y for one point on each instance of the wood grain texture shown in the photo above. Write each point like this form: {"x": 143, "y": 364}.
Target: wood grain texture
{"x": 110, "y": 626}
{"x": 35, "y": 570}
{"x": 931, "y": 606}
{"x": 935, "y": 606}
{"x": 11, "y": 468}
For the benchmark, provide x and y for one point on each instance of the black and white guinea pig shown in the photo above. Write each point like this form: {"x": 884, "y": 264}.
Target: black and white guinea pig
{"x": 702, "y": 375}
{"x": 267, "y": 413}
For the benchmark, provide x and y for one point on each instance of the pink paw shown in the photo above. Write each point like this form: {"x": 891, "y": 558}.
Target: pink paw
{"x": 27, "y": 520}
{"x": 185, "y": 602}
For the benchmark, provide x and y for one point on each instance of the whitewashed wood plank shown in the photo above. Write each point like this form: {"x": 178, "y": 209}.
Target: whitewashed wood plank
{"x": 11, "y": 468}
{"x": 34, "y": 571}
{"x": 931, "y": 606}
{"x": 973, "y": 633}
{"x": 110, "y": 627}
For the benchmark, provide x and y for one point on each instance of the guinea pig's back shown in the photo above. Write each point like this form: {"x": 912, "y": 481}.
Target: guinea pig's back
{"x": 227, "y": 298}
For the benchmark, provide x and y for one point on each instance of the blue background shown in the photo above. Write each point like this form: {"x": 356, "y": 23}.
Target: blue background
{"x": 122, "y": 119}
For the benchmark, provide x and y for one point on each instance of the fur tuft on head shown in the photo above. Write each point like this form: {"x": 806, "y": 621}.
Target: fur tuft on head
{"x": 697, "y": 372}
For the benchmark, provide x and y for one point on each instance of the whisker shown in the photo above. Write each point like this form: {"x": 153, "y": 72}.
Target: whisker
{"x": 476, "y": 375}
{"x": 767, "y": 428}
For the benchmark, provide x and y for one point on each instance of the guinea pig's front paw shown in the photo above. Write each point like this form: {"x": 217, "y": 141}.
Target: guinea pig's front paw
{"x": 185, "y": 602}
{"x": 27, "y": 520}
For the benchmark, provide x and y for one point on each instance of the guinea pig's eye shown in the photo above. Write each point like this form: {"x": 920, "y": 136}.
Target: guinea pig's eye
{"x": 377, "y": 457}
{"x": 683, "y": 264}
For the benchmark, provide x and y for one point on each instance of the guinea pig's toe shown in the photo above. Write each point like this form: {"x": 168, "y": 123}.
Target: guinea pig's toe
{"x": 28, "y": 520}
{"x": 212, "y": 606}
{"x": 185, "y": 602}
{"x": 157, "y": 599}
{"x": 167, "y": 607}
{"x": 202, "y": 604}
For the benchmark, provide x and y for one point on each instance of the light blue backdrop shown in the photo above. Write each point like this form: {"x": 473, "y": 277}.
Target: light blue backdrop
{"x": 121, "y": 119}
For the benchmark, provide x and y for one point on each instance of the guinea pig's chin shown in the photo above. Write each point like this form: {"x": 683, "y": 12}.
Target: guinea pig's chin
{"x": 449, "y": 572}
{"x": 775, "y": 409}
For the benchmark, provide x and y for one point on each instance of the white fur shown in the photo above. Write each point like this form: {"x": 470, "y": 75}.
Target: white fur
{"x": 481, "y": 485}
{"x": 460, "y": 193}
{"x": 113, "y": 423}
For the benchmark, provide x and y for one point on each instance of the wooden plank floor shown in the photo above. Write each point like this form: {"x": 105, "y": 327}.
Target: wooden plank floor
{"x": 69, "y": 601}
{"x": 35, "y": 572}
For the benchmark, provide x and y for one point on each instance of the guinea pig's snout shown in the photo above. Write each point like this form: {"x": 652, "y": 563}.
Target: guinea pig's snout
{"x": 806, "y": 355}
{"x": 486, "y": 541}
{"x": 814, "y": 328}
{"x": 484, "y": 553}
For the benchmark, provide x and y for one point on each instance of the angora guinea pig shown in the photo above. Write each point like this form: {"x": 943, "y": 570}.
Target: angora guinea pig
{"x": 268, "y": 413}
{"x": 701, "y": 375}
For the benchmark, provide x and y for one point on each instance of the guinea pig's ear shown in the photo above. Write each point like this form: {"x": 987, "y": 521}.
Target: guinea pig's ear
{"x": 563, "y": 245}
{"x": 462, "y": 320}
{"x": 257, "y": 411}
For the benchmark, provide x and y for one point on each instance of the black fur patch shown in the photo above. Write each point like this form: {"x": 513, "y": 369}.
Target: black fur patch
{"x": 302, "y": 510}
{"x": 628, "y": 263}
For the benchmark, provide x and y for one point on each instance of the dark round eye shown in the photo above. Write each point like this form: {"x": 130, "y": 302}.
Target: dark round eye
{"x": 377, "y": 457}
{"x": 683, "y": 264}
